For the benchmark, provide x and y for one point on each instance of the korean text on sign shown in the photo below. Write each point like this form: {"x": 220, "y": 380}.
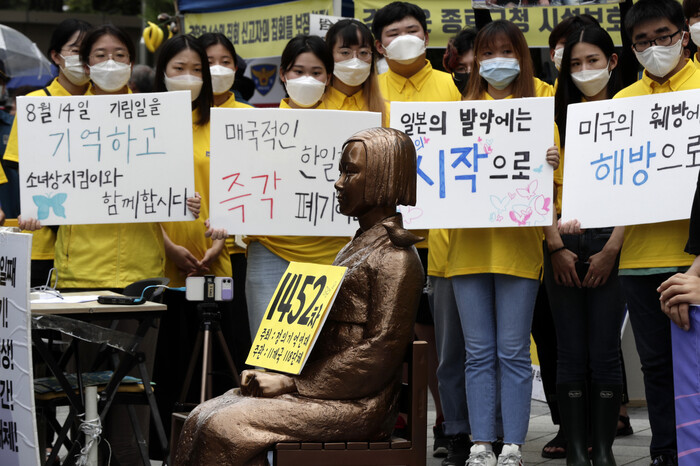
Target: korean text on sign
{"x": 295, "y": 316}
{"x": 641, "y": 152}
{"x": 273, "y": 171}
{"x": 99, "y": 159}
{"x": 480, "y": 163}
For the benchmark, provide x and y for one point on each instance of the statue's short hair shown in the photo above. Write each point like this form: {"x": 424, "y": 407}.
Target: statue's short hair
{"x": 391, "y": 166}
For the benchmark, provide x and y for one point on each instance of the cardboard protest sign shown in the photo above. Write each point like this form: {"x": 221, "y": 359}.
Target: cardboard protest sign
{"x": 105, "y": 159}
{"x": 631, "y": 161}
{"x": 273, "y": 171}
{"x": 295, "y": 316}
{"x": 18, "y": 434}
{"x": 480, "y": 163}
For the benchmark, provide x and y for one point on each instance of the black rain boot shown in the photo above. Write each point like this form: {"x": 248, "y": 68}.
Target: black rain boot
{"x": 605, "y": 406}
{"x": 572, "y": 411}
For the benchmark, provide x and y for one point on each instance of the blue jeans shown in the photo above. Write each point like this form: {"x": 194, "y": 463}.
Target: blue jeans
{"x": 587, "y": 320}
{"x": 451, "y": 356}
{"x": 498, "y": 309}
{"x": 265, "y": 270}
{"x": 652, "y": 335}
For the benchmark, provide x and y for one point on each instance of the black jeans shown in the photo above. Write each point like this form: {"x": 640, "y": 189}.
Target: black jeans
{"x": 652, "y": 334}
{"x": 587, "y": 320}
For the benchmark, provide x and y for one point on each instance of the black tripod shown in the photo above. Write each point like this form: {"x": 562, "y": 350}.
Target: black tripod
{"x": 209, "y": 322}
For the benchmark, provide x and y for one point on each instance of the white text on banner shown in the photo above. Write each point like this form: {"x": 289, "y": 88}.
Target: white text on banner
{"x": 273, "y": 170}
{"x": 18, "y": 435}
{"x": 106, "y": 159}
{"x": 480, "y": 163}
{"x": 632, "y": 161}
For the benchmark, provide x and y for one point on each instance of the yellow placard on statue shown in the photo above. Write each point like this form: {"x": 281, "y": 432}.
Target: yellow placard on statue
{"x": 295, "y": 316}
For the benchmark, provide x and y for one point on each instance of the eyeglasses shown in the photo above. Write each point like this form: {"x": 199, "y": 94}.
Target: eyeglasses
{"x": 65, "y": 51}
{"x": 664, "y": 41}
{"x": 116, "y": 56}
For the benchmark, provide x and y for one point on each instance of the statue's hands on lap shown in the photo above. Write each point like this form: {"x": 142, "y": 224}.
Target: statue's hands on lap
{"x": 266, "y": 384}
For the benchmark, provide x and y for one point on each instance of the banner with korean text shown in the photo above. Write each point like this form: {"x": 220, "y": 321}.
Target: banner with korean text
{"x": 445, "y": 18}
{"x": 480, "y": 163}
{"x": 18, "y": 434}
{"x": 273, "y": 170}
{"x": 632, "y": 161}
{"x": 288, "y": 333}
{"x": 261, "y": 31}
{"x": 106, "y": 159}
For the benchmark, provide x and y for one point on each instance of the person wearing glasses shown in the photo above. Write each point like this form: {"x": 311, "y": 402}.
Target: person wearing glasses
{"x": 654, "y": 252}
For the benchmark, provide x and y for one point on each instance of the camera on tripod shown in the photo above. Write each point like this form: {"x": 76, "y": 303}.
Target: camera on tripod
{"x": 209, "y": 288}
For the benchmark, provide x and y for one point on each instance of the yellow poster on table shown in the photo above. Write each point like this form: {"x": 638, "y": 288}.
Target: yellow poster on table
{"x": 295, "y": 316}
{"x": 261, "y": 31}
{"x": 446, "y": 18}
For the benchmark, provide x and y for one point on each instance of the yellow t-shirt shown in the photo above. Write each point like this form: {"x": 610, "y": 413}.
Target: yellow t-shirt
{"x": 509, "y": 251}
{"x": 696, "y": 61}
{"x": 3, "y": 178}
{"x": 658, "y": 244}
{"x": 315, "y": 249}
{"x": 336, "y": 100}
{"x": 44, "y": 240}
{"x": 427, "y": 85}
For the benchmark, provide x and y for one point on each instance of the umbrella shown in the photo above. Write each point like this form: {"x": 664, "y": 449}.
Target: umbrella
{"x": 20, "y": 55}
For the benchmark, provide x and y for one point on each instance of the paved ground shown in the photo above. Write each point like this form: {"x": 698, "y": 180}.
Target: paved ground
{"x": 632, "y": 450}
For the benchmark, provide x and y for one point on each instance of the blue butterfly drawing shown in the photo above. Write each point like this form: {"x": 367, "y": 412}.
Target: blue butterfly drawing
{"x": 46, "y": 203}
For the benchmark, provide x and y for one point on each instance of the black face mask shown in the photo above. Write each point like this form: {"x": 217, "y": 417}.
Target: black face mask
{"x": 460, "y": 80}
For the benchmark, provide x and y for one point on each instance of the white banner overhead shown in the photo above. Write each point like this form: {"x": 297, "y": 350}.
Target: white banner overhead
{"x": 273, "y": 170}
{"x": 480, "y": 163}
{"x": 632, "y": 161}
{"x": 106, "y": 159}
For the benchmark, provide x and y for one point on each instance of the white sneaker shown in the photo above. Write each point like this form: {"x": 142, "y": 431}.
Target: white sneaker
{"x": 481, "y": 455}
{"x": 510, "y": 456}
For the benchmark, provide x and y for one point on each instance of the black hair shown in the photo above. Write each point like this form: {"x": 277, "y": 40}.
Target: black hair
{"x": 213, "y": 38}
{"x": 168, "y": 50}
{"x": 457, "y": 46}
{"x": 568, "y": 26}
{"x": 64, "y": 31}
{"x": 93, "y": 36}
{"x": 394, "y": 12}
{"x": 567, "y": 92}
{"x": 143, "y": 78}
{"x": 346, "y": 30}
{"x": 305, "y": 43}
{"x": 649, "y": 10}
{"x": 691, "y": 8}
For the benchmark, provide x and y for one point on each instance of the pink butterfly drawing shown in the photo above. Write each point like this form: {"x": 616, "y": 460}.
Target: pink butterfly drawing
{"x": 521, "y": 217}
{"x": 411, "y": 213}
{"x": 426, "y": 140}
{"x": 542, "y": 204}
{"x": 528, "y": 192}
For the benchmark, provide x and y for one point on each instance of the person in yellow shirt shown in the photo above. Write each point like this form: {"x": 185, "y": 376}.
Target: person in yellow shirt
{"x": 654, "y": 252}
{"x": 64, "y": 50}
{"x": 691, "y": 10}
{"x": 305, "y": 70}
{"x": 354, "y": 84}
{"x": 495, "y": 272}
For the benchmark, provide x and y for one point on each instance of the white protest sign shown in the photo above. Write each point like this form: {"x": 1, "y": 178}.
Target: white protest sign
{"x": 320, "y": 24}
{"x": 631, "y": 161}
{"x": 480, "y": 163}
{"x": 106, "y": 159}
{"x": 273, "y": 171}
{"x": 18, "y": 435}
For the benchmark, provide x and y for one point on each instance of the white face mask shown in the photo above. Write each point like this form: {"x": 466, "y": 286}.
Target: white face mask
{"x": 305, "y": 91}
{"x": 185, "y": 82}
{"x": 558, "y": 55}
{"x": 659, "y": 60}
{"x": 591, "y": 82}
{"x": 110, "y": 76}
{"x": 405, "y": 49}
{"x": 353, "y": 72}
{"x": 221, "y": 79}
{"x": 695, "y": 33}
{"x": 74, "y": 70}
